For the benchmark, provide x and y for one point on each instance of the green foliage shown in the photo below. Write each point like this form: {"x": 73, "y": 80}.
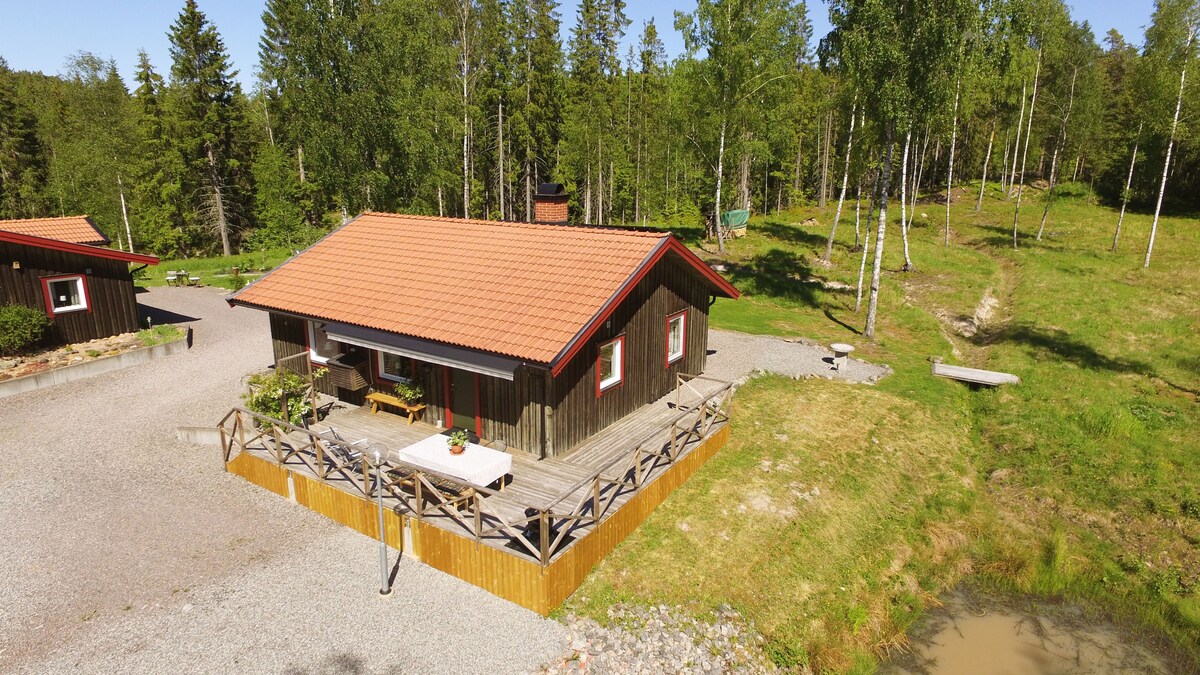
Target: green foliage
{"x": 409, "y": 392}
{"x": 160, "y": 334}
{"x": 21, "y": 328}
{"x": 459, "y": 437}
{"x": 269, "y": 389}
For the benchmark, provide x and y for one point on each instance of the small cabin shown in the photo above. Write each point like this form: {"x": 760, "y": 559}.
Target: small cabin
{"x": 64, "y": 267}
{"x": 537, "y": 334}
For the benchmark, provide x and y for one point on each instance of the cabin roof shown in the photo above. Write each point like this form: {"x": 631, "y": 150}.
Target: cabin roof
{"x": 71, "y": 247}
{"x": 72, "y": 229}
{"x": 530, "y": 291}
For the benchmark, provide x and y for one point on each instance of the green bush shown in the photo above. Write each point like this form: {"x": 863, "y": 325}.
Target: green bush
{"x": 409, "y": 392}
{"x": 267, "y": 391}
{"x": 21, "y": 328}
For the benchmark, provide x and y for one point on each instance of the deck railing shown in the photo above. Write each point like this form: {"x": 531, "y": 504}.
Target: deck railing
{"x": 538, "y": 531}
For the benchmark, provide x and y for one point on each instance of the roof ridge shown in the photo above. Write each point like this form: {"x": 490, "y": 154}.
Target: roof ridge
{"x": 520, "y": 224}
{"x": 30, "y": 220}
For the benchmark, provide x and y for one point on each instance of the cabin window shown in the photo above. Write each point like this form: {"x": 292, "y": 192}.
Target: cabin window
{"x": 676, "y": 336}
{"x": 610, "y": 366}
{"x": 391, "y": 367}
{"x": 321, "y": 347}
{"x": 66, "y": 294}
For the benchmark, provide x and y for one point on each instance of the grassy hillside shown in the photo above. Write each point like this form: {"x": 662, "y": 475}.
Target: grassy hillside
{"x": 837, "y": 512}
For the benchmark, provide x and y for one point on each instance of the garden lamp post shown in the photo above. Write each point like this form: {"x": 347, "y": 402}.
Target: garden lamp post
{"x": 385, "y": 585}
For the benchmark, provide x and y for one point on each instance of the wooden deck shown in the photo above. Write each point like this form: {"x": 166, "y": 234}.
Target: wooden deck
{"x": 558, "y": 513}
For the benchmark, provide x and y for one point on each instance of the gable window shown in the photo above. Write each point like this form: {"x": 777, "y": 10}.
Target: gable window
{"x": 391, "y": 367}
{"x": 676, "y": 336}
{"x": 610, "y": 365}
{"x": 65, "y": 294}
{"x": 321, "y": 347}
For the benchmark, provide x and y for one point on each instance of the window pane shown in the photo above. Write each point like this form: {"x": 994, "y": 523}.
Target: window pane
{"x": 391, "y": 364}
{"x": 675, "y": 337}
{"x": 606, "y": 361}
{"x": 65, "y": 293}
{"x": 322, "y": 345}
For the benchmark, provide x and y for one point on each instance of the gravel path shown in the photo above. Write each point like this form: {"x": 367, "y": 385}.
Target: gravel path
{"x": 737, "y": 356}
{"x": 125, "y": 550}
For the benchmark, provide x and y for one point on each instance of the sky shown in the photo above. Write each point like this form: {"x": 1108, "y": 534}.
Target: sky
{"x": 43, "y": 34}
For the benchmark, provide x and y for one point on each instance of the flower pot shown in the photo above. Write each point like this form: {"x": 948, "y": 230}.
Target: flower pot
{"x": 456, "y": 449}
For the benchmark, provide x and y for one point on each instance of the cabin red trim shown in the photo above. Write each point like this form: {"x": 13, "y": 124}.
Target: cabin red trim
{"x": 683, "y": 328}
{"x": 478, "y": 412}
{"x": 81, "y": 249}
{"x": 83, "y": 281}
{"x": 620, "y": 365}
{"x": 448, "y": 397}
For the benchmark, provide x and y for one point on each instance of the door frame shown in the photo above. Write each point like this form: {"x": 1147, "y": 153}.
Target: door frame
{"x": 449, "y": 399}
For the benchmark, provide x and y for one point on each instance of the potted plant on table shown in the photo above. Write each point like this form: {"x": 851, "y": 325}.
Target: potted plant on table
{"x": 458, "y": 441}
{"x": 409, "y": 392}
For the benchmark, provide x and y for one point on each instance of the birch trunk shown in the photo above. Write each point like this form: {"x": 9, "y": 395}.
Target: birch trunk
{"x": 857, "y": 213}
{"x": 867, "y": 248}
{"x": 1125, "y": 194}
{"x": 464, "y": 11}
{"x": 217, "y": 204}
{"x": 1059, "y": 147}
{"x": 500, "y": 143}
{"x": 986, "y": 158}
{"x": 1162, "y": 189}
{"x": 841, "y": 199}
{"x": 1004, "y": 164}
{"x": 720, "y": 174}
{"x": 877, "y": 266}
{"x": 1025, "y": 154}
{"x": 912, "y": 210}
{"x": 950, "y": 170}
{"x": 908, "y": 266}
{"x": 1017, "y": 144}
{"x": 125, "y": 214}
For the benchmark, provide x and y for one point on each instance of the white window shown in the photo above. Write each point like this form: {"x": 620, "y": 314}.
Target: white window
{"x": 676, "y": 336}
{"x": 391, "y": 367}
{"x": 320, "y": 347}
{"x": 66, "y": 294}
{"x": 610, "y": 367}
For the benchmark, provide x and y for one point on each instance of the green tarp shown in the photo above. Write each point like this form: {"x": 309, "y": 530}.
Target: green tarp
{"x": 735, "y": 219}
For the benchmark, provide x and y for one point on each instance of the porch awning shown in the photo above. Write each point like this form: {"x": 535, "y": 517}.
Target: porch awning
{"x": 429, "y": 351}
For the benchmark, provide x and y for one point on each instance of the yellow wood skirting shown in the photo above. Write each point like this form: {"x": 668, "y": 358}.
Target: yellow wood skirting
{"x": 502, "y": 574}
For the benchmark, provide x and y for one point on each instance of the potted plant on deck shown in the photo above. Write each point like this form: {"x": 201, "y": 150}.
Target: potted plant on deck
{"x": 409, "y": 392}
{"x": 458, "y": 441}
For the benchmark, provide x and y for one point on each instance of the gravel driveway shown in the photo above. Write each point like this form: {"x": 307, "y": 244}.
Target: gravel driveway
{"x": 736, "y": 356}
{"x": 126, "y": 550}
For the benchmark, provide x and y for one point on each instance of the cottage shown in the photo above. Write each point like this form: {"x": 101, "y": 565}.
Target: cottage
{"x": 539, "y": 335}
{"x": 63, "y": 266}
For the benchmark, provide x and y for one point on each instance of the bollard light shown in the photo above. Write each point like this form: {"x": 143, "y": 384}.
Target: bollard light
{"x": 385, "y": 584}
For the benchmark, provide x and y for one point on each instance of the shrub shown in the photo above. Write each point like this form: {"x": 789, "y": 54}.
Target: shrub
{"x": 267, "y": 391}
{"x": 21, "y": 328}
{"x": 409, "y": 392}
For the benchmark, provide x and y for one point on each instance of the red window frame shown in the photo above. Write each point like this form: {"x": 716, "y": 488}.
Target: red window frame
{"x": 620, "y": 365}
{"x": 87, "y": 294}
{"x": 667, "y": 360}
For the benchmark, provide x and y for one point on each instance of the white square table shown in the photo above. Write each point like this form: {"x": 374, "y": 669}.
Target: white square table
{"x": 477, "y": 465}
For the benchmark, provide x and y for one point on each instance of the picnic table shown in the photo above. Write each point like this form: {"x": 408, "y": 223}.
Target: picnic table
{"x": 477, "y": 465}
{"x": 181, "y": 278}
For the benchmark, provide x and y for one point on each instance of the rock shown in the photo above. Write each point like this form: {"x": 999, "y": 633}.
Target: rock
{"x": 8, "y": 363}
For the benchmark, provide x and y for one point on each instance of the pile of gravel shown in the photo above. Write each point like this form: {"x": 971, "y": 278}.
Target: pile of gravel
{"x": 660, "y": 639}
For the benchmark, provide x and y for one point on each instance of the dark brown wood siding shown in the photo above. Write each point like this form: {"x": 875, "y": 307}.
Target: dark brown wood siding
{"x": 514, "y": 412}
{"x": 642, "y": 319}
{"x": 112, "y": 307}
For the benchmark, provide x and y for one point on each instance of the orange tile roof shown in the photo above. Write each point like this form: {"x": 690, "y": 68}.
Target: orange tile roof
{"x": 73, "y": 229}
{"x": 518, "y": 289}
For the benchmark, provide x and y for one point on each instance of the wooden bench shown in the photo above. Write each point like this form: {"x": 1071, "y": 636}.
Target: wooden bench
{"x": 379, "y": 398}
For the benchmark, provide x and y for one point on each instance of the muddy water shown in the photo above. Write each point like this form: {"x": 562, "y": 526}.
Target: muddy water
{"x": 985, "y": 636}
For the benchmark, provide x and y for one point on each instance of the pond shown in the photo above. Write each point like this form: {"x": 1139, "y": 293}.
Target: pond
{"x": 980, "y": 634}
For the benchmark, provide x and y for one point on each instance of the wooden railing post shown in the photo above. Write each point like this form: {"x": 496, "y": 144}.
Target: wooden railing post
{"x": 544, "y": 531}
{"x": 596, "y": 499}
{"x": 322, "y": 470}
{"x": 241, "y": 430}
{"x": 278, "y": 443}
{"x": 366, "y": 475}
{"x": 417, "y": 490}
{"x": 478, "y": 517}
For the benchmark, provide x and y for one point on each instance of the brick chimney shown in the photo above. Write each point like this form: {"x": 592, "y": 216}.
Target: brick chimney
{"x": 550, "y": 204}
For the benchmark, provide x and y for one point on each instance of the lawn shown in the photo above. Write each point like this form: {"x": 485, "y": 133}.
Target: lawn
{"x": 217, "y": 270}
{"x": 1082, "y": 482}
